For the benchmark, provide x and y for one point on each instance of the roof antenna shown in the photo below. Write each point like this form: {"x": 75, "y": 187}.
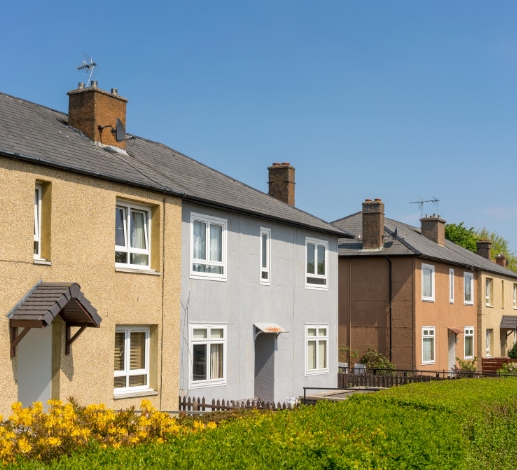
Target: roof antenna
{"x": 421, "y": 203}
{"x": 88, "y": 67}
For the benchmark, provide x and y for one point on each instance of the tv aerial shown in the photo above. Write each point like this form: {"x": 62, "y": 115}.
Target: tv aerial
{"x": 421, "y": 203}
{"x": 88, "y": 66}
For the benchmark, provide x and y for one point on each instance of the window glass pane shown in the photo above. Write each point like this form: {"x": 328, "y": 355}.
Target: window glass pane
{"x": 311, "y": 355}
{"x": 36, "y": 248}
{"x": 119, "y": 351}
{"x": 200, "y": 333}
{"x": 120, "y": 232}
{"x": 36, "y": 212}
{"x": 137, "y": 380}
{"x": 468, "y": 289}
{"x": 199, "y": 362}
{"x": 138, "y": 228}
{"x": 322, "y": 332}
{"x": 322, "y": 354}
{"x": 216, "y": 242}
{"x": 120, "y": 257}
{"x": 204, "y": 268}
{"x": 265, "y": 275}
{"x": 428, "y": 349}
{"x": 469, "y": 349}
{"x": 310, "y": 258}
{"x": 138, "y": 259}
{"x": 137, "y": 351}
{"x": 264, "y": 250}
{"x": 216, "y": 333}
{"x": 428, "y": 282}
{"x": 199, "y": 240}
{"x": 119, "y": 382}
{"x": 321, "y": 260}
{"x": 311, "y": 332}
{"x": 216, "y": 361}
{"x": 317, "y": 280}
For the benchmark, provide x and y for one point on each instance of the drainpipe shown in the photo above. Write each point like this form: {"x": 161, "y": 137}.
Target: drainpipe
{"x": 390, "y": 308}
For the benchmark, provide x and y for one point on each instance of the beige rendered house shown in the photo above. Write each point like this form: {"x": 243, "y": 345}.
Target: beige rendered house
{"x": 413, "y": 295}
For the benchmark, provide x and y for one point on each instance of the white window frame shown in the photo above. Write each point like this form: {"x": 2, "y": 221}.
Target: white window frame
{"x": 468, "y": 332}
{"x": 431, "y": 268}
{"x": 426, "y": 334}
{"x": 37, "y": 218}
{"x": 318, "y": 338}
{"x": 208, "y": 341}
{"x": 489, "y": 291}
{"x": 317, "y": 242}
{"x": 488, "y": 342}
{"x": 468, "y": 277}
{"x": 267, "y": 269}
{"x": 515, "y": 296}
{"x": 128, "y": 208}
{"x": 451, "y": 286}
{"x": 215, "y": 221}
{"x": 127, "y": 330}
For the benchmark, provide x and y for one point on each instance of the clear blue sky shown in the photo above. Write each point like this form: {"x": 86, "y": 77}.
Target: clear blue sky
{"x": 390, "y": 99}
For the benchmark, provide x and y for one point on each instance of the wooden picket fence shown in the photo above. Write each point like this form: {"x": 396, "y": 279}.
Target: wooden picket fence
{"x": 490, "y": 365}
{"x": 385, "y": 381}
{"x": 200, "y": 404}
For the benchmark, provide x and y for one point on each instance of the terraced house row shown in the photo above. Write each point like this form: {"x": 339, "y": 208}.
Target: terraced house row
{"x": 130, "y": 270}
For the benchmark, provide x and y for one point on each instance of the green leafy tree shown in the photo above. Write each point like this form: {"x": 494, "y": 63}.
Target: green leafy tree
{"x": 468, "y": 238}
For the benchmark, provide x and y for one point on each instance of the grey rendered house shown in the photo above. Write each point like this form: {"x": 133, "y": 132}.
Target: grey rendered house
{"x": 258, "y": 291}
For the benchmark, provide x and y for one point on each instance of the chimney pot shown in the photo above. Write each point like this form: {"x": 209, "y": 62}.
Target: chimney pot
{"x": 281, "y": 182}
{"x": 377, "y": 199}
{"x": 373, "y": 224}
{"x": 114, "y": 91}
{"x": 434, "y": 229}
{"x": 80, "y": 86}
{"x": 94, "y": 84}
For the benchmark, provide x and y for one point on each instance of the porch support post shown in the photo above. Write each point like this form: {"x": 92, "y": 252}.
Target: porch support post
{"x": 70, "y": 340}
{"x": 16, "y": 338}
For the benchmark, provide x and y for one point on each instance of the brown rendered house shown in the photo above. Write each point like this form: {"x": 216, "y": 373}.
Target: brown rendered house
{"x": 410, "y": 293}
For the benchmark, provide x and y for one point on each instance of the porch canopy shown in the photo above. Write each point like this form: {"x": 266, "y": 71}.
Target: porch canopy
{"x": 46, "y": 301}
{"x": 268, "y": 328}
{"x": 508, "y": 322}
{"x": 456, "y": 331}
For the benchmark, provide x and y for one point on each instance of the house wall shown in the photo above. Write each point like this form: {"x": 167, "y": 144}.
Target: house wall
{"x": 490, "y": 315}
{"x": 442, "y": 314}
{"x": 364, "y": 307}
{"x": 80, "y": 245}
{"x": 241, "y": 301}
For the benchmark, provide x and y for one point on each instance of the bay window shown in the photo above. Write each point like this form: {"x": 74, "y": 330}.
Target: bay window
{"x": 208, "y": 247}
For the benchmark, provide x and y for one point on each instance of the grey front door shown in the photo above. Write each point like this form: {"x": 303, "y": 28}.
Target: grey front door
{"x": 265, "y": 366}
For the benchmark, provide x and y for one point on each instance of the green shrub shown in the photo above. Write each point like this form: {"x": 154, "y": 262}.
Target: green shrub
{"x": 376, "y": 360}
{"x": 509, "y": 368}
{"x": 512, "y": 353}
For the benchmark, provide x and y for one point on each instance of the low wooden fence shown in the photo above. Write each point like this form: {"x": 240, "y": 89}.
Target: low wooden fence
{"x": 385, "y": 380}
{"x": 490, "y": 365}
{"x": 200, "y": 404}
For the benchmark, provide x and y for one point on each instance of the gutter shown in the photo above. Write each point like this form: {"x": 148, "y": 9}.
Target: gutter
{"x": 390, "y": 297}
{"x": 40, "y": 161}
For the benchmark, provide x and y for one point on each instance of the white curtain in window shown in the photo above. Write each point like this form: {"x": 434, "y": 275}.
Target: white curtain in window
{"x": 428, "y": 282}
{"x": 199, "y": 240}
{"x": 322, "y": 354}
{"x": 311, "y": 355}
{"x": 138, "y": 230}
{"x": 428, "y": 352}
{"x": 468, "y": 289}
{"x": 216, "y": 361}
{"x": 216, "y": 242}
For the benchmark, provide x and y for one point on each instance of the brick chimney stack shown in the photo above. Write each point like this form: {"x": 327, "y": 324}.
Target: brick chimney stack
{"x": 373, "y": 224}
{"x": 501, "y": 260}
{"x": 281, "y": 182}
{"x": 90, "y": 109}
{"x": 484, "y": 249}
{"x": 433, "y": 227}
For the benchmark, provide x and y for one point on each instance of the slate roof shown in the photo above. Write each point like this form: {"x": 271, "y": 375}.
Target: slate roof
{"x": 41, "y": 135}
{"x": 409, "y": 241}
{"x": 49, "y": 299}
{"x": 508, "y": 322}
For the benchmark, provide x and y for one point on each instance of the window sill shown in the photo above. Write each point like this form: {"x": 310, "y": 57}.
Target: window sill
{"x": 316, "y": 372}
{"x": 468, "y": 303}
{"x": 428, "y": 363}
{"x": 207, "y": 278}
{"x": 42, "y": 262}
{"x": 316, "y": 287}
{"x": 427, "y": 300}
{"x": 206, "y": 385}
{"x": 150, "y": 272}
{"x": 140, "y": 393}
{"x": 489, "y": 306}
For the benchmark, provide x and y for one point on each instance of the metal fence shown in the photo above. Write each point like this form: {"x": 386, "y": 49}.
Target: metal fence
{"x": 200, "y": 404}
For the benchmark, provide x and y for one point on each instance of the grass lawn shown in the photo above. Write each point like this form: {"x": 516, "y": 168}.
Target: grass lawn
{"x": 460, "y": 424}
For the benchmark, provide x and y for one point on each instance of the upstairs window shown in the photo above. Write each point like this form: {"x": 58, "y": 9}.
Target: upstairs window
{"x": 208, "y": 247}
{"x": 132, "y": 236}
{"x": 514, "y": 296}
{"x": 37, "y": 221}
{"x": 316, "y": 263}
{"x": 489, "y": 291}
{"x": 265, "y": 256}
{"x": 468, "y": 284}
{"x": 502, "y": 294}
{"x": 451, "y": 286}
{"x": 469, "y": 342}
{"x": 428, "y": 282}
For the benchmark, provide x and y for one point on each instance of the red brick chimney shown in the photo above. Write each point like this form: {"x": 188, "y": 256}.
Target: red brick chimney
{"x": 94, "y": 112}
{"x": 433, "y": 227}
{"x": 501, "y": 260}
{"x": 281, "y": 182}
{"x": 373, "y": 224}
{"x": 484, "y": 249}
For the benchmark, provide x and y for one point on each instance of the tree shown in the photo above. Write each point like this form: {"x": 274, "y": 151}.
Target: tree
{"x": 468, "y": 238}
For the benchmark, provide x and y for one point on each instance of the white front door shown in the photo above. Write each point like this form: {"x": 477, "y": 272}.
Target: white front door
{"x": 35, "y": 366}
{"x": 452, "y": 350}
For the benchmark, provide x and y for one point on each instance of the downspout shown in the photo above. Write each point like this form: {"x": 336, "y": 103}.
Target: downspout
{"x": 390, "y": 307}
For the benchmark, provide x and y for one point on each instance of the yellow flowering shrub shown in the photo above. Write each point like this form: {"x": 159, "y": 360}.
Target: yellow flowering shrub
{"x": 33, "y": 433}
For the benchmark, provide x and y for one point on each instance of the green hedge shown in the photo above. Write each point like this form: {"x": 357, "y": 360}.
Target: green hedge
{"x": 467, "y": 423}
